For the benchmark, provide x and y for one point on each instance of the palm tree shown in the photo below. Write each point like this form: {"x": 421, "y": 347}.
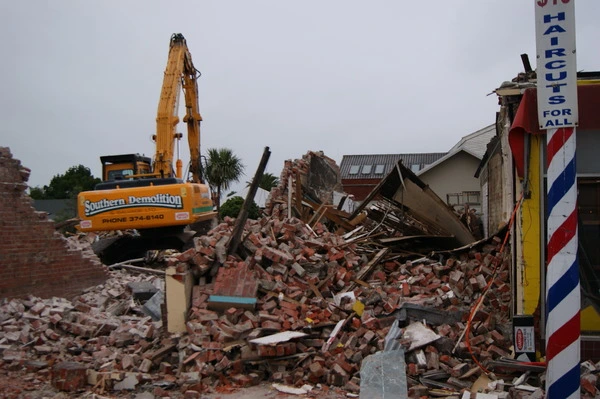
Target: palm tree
{"x": 222, "y": 169}
{"x": 267, "y": 181}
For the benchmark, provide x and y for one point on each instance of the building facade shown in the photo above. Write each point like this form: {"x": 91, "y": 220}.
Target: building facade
{"x": 513, "y": 175}
{"x": 451, "y": 175}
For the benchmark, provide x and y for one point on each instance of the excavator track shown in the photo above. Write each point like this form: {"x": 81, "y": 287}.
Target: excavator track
{"x": 136, "y": 244}
{"x": 128, "y": 246}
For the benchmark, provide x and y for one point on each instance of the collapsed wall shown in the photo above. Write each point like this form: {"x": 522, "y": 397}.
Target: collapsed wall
{"x": 34, "y": 258}
{"x": 318, "y": 177}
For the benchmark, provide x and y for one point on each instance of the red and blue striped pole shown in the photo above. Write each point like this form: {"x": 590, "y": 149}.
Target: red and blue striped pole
{"x": 558, "y": 114}
{"x": 562, "y": 278}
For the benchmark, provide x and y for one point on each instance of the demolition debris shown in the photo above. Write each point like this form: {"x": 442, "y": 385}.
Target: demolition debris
{"x": 313, "y": 299}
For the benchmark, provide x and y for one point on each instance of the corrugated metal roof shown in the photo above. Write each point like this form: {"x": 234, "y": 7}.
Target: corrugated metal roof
{"x": 57, "y": 208}
{"x": 366, "y": 166}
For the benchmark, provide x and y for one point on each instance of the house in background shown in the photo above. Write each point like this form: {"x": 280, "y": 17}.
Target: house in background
{"x": 451, "y": 175}
{"x": 361, "y": 173}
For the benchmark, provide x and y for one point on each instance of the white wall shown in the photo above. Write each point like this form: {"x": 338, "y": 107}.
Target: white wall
{"x": 454, "y": 175}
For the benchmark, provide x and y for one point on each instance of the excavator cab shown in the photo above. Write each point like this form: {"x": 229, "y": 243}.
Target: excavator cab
{"x": 127, "y": 166}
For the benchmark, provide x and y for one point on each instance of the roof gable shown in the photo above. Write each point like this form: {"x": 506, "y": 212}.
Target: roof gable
{"x": 476, "y": 142}
{"x": 444, "y": 159}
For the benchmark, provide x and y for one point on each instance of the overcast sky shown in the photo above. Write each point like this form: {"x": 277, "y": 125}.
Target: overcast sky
{"x": 80, "y": 79}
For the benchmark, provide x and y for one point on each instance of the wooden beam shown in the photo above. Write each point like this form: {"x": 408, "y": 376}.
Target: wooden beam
{"x": 367, "y": 268}
{"x": 298, "y": 192}
{"x": 240, "y": 221}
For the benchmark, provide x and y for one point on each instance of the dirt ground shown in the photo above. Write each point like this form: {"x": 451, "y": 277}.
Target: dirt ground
{"x": 266, "y": 391}
{"x": 29, "y": 386}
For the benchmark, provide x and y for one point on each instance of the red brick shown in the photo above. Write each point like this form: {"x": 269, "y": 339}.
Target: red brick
{"x": 413, "y": 369}
{"x": 266, "y": 351}
{"x": 243, "y": 380}
{"x": 187, "y": 255}
{"x": 289, "y": 305}
{"x": 316, "y": 371}
{"x": 589, "y": 383}
{"x": 405, "y": 289}
{"x": 308, "y": 251}
{"x": 498, "y": 351}
{"x": 29, "y": 232}
{"x": 278, "y": 256}
{"x": 497, "y": 337}
{"x": 69, "y": 376}
{"x": 270, "y": 324}
{"x": 349, "y": 368}
{"x": 478, "y": 340}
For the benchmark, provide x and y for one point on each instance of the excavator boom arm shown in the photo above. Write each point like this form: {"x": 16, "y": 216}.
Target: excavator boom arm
{"x": 180, "y": 71}
{"x": 192, "y": 117}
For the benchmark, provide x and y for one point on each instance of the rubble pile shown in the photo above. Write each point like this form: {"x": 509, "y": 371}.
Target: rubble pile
{"x": 328, "y": 300}
{"x": 104, "y": 329}
{"x": 324, "y": 304}
{"x": 314, "y": 176}
{"x": 343, "y": 297}
{"x": 327, "y": 292}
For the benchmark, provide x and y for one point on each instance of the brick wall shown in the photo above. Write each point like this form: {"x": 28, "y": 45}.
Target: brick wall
{"x": 360, "y": 188}
{"x": 34, "y": 259}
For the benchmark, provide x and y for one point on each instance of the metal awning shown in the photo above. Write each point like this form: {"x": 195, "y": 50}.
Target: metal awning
{"x": 526, "y": 119}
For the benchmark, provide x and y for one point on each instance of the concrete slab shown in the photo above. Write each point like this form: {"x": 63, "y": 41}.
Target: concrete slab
{"x": 383, "y": 376}
{"x": 152, "y": 306}
{"x": 128, "y": 383}
{"x": 142, "y": 290}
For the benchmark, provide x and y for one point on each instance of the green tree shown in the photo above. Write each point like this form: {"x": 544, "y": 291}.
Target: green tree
{"x": 68, "y": 185}
{"x": 267, "y": 181}
{"x": 36, "y": 192}
{"x": 233, "y": 206}
{"x": 223, "y": 168}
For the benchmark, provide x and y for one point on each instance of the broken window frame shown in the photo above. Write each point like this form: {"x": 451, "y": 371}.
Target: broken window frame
{"x": 464, "y": 198}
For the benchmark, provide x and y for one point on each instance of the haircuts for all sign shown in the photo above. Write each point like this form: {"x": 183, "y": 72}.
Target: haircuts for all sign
{"x": 556, "y": 63}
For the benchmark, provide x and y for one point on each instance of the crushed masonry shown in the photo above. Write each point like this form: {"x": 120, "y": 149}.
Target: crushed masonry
{"x": 327, "y": 294}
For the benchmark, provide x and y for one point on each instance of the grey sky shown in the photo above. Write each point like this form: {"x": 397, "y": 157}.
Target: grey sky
{"x": 82, "y": 79}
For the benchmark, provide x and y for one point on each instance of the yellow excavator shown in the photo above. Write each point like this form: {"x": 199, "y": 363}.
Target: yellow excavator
{"x": 148, "y": 196}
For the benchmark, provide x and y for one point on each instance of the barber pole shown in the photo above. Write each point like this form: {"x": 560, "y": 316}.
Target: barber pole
{"x": 563, "y": 292}
{"x": 558, "y": 115}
